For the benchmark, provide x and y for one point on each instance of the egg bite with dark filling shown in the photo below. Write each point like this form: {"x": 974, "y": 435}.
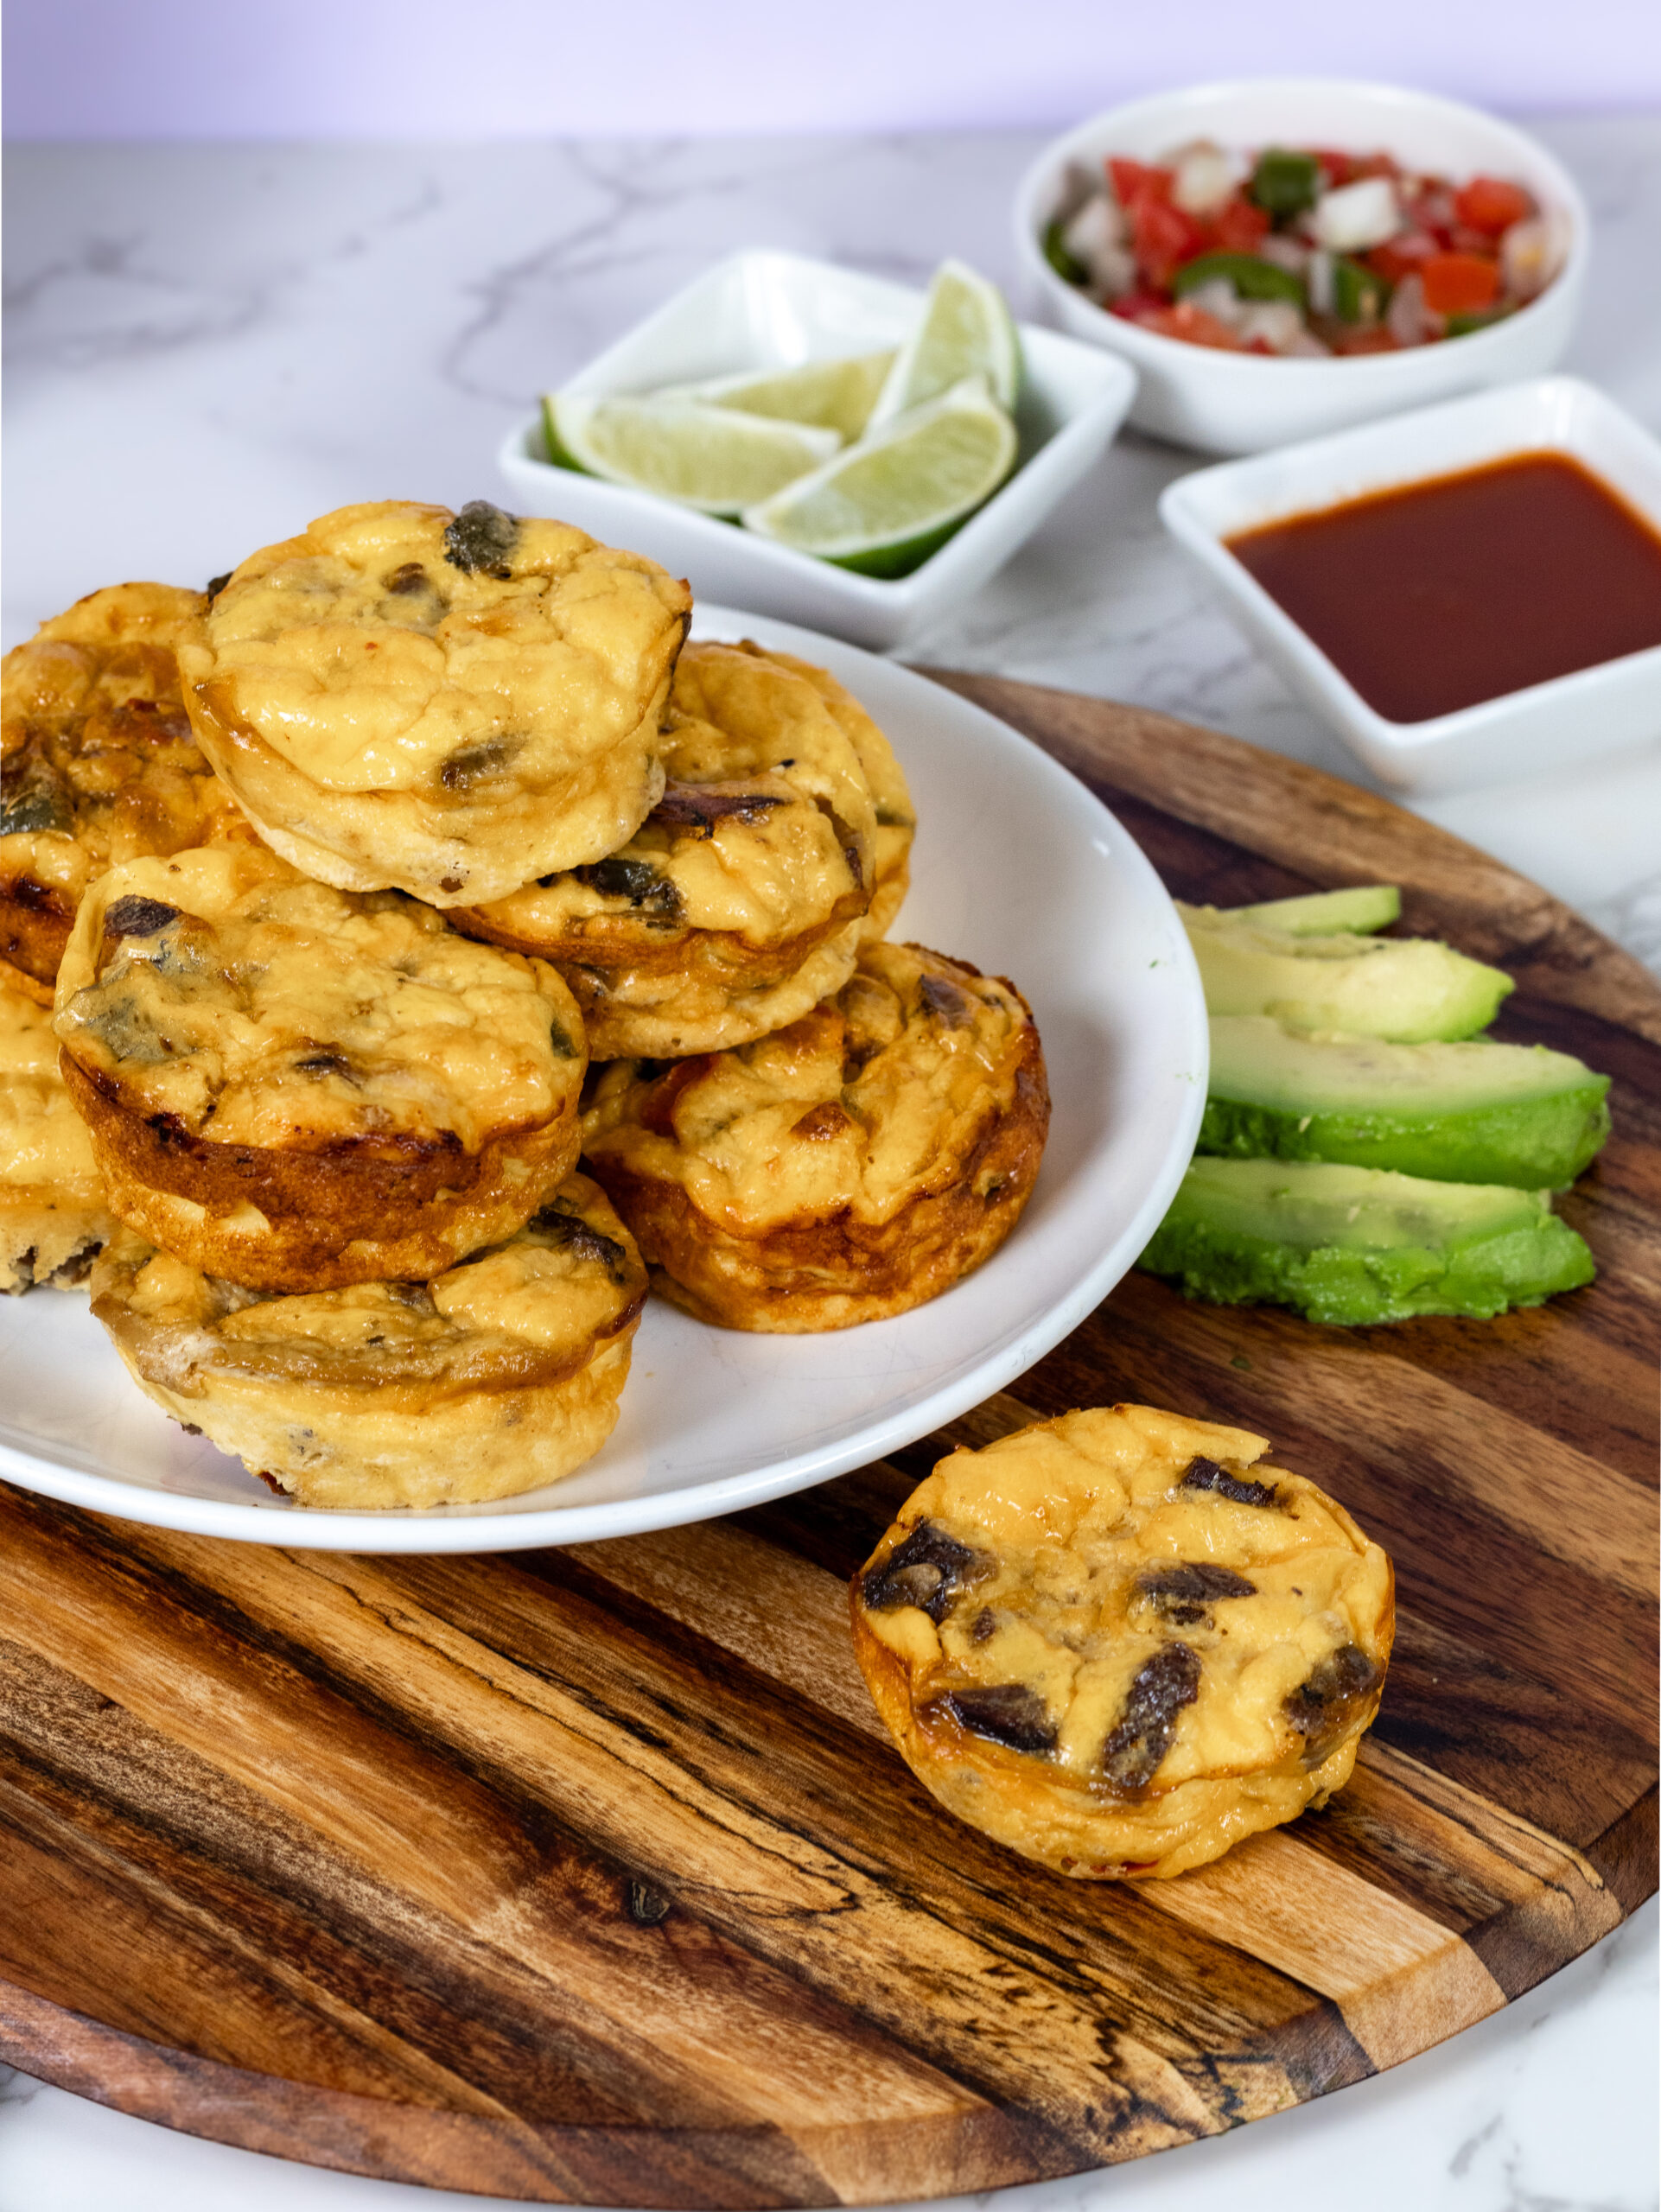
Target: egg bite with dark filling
{"x": 1121, "y": 1641}
{"x": 844, "y": 1169}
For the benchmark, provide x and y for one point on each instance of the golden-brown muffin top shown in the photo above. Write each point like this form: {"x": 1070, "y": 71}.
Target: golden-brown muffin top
{"x": 43, "y": 1141}
{"x": 529, "y": 1309}
{"x": 93, "y": 730}
{"x": 1132, "y": 1596}
{"x": 896, "y": 817}
{"x": 869, "y": 1100}
{"x": 766, "y": 830}
{"x": 395, "y": 646}
{"x": 224, "y": 990}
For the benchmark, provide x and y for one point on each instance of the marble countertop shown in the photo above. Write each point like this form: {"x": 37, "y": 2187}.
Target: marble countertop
{"x": 208, "y": 344}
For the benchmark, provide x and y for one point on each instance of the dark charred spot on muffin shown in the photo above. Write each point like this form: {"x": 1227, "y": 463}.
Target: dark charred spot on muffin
{"x": 699, "y": 807}
{"x": 983, "y": 1624}
{"x": 1003, "y": 1712}
{"x": 410, "y": 576}
{"x": 848, "y": 839}
{"x": 927, "y": 1570}
{"x": 892, "y": 818}
{"x": 415, "y": 1297}
{"x": 38, "y": 798}
{"x": 326, "y": 1063}
{"x": 1321, "y": 1707}
{"x": 1170, "y": 1679}
{"x": 638, "y": 881}
{"x": 215, "y": 585}
{"x": 1185, "y": 1593}
{"x": 133, "y": 916}
{"x": 561, "y": 1043}
{"x": 481, "y": 539}
{"x": 821, "y": 1122}
{"x": 1206, "y": 1474}
{"x": 471, "y": 764}
{"x": 946, "y": 1002}
{"x": 449, "y": 882}
{"x": 574, "y": 1235}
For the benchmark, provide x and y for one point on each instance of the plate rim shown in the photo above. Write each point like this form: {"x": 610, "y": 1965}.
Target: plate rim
{"x": 457, "y": 1531}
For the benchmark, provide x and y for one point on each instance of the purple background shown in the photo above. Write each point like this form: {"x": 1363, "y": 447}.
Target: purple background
{"x": 145, "y": 69}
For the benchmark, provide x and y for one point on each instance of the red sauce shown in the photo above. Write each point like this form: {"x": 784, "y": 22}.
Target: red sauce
{"x": 1461, "y": 588}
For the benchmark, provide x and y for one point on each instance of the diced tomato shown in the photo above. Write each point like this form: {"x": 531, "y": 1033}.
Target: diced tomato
{"x": 1163, "y": 237}
{"x": 1433, "y": 211}
{"x": 1192, "y": 324}
{"x": 1238, "y": 225}
{"x": 1337, "y": 169}
{"x": 1400, "y": 256}
{"x": 1490, "y": 204}
{"x": 1135, "y": 181}
{"x": 1363, "y": 338}
{"x": 1137, "y": 305}
{"x": 1459, "y": 283}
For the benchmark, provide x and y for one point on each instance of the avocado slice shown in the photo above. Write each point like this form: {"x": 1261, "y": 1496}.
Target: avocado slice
{"x": 1476, "y": 1112}
{"x": 1356, "y": 1245}
{"x": 1360, "y": 908}
{"x": 1407, "y": 988}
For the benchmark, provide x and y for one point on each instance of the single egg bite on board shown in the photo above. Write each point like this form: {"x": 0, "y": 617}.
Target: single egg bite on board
{"x": 501, "y": 1374}
{"x": 297, "y": 1089}
{"x": 99, "y": 763}
{"x": 53, "y": 1218}
{"x": 1121, "y": 1641}
{"x": 843, "y": 1170}
{"x": 741, "y": 901}
{"x": 447, "y": 704}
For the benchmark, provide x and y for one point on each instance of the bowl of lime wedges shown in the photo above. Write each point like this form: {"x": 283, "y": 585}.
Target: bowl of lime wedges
{"x": 844, "y": 452}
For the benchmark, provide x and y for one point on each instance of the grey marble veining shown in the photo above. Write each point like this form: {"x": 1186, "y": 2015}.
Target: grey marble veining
{"x": 208, "y": 344}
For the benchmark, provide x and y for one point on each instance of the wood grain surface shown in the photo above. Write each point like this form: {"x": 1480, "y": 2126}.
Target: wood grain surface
{"x": 589, "y": 1876}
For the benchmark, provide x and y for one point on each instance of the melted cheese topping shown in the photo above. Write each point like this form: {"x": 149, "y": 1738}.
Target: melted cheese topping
{"x": 225, "y": 991}
{"x": 368, "y": 657}
{"x": 1069, "y": 1527}
{"x": 43, "y": 1142}
{"x": 869, "y": 1100}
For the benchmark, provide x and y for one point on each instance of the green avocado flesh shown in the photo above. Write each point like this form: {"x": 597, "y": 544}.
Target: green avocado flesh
{"x": 1355, "y": 1245}
{"x": 1461, "y": 1113}
{"x": 1410, "y": 990}
{"x": 1361, "y": 908}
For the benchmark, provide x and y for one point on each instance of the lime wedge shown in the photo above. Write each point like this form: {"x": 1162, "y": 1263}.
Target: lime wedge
{"x": 707, "y": 457}
{"x": 837, "y": 395}
{"x": 884, "y": 505}
{"x": 965, "y": 330}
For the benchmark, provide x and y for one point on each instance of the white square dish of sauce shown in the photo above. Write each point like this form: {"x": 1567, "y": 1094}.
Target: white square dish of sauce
{"x": 1469, "y": 594}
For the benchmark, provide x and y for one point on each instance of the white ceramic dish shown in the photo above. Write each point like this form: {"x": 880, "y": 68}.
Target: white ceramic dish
{"x": 775, "y": 310}
{"x": 1547, "y": 726}
{"x": 1017, "y": 867}
{"x": 1241, "y": 403}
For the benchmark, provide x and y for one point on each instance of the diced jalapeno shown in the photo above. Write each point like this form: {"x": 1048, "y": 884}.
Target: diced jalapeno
{"x": 1462, "y": 326}
{"x": 1066, "y": 264}
{"x": 1251, "y": 277}
{"x": 1285, "y": 183}
{"x": 1358, "y": 291}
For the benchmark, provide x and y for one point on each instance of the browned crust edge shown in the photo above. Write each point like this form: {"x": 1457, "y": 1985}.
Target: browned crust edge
{"x": 34, "y": 925}
{"x": 837, "y": 1272}
{"x": 407, "y": 1207}
{"x": 595, "y": 960}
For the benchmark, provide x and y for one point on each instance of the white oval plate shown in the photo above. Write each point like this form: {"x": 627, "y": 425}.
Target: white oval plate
{"x": 1017, "y": 868}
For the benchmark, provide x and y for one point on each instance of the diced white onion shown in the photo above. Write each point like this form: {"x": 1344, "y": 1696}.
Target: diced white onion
{"x": 1317, "y": 281}
{"x": 1530, "y": 254}
{"x": 1216, "y": 296}
{"x": 1284, "y": 251}
{"x": 1096, "y": 237}
{"x": 1357, "y": 216}
{"x": 1277, "y": 323}
{"x": 1205, "y": 177}
{"x": 1405, "y": 316}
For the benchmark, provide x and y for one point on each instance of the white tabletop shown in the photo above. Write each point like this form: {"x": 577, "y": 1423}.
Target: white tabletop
{"x": 209, "y": 344}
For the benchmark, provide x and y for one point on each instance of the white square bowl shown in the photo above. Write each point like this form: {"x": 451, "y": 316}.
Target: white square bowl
{"x": 764, "y": 310}
{"x": 1540, "y": 728}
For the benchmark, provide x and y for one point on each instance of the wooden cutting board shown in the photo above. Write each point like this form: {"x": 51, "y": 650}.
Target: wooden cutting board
{"x": 589, "y": 1875}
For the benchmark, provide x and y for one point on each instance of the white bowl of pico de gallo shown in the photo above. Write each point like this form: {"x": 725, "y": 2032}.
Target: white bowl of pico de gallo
{"x": 1283, "y": 256}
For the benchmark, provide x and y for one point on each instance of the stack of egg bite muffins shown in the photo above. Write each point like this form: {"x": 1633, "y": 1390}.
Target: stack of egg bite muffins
{"x": 346, "y": 905}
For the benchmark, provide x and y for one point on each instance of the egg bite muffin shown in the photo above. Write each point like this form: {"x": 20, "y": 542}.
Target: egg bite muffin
{"x": 842, "y": 1170}
{"x": 896, "y": 818}
{"x": 502, "y": 1373}
{"x": 297, "y": 1089}
{"x": 1120, "y": 1640}
{"x": 53, "y": 1219}
{"x": 739, "y": 903}
{"x": 99, "y": 765}
{"x": 447, "y": 704}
